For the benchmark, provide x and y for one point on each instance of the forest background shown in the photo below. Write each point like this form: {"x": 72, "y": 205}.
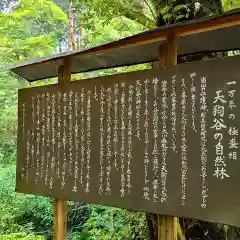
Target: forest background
{"x": 37, "y": 28}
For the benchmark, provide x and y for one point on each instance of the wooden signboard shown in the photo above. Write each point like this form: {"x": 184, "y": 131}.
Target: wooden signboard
{"x": 160, "y": 140}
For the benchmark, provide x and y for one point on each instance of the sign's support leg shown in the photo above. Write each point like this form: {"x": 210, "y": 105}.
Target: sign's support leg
{"x": 167, "y": 228}
{"x": 60, "y": 219}
{"x": 60, "y": 206}
{"x": 167, "y": 225}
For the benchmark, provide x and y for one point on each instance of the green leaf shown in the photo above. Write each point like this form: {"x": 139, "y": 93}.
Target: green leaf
{"x": 92, "y": 219}
{"x": 165, "y": 9}
{"x": 167, "y": 16}
{"x": 180, "y": 17}
{"x": 178, "y": 7}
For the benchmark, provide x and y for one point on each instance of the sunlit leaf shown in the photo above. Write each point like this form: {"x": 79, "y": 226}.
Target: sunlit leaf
{"x": 167, "y": 16}
{"x": 165, "y": 9}
{"x": 178, "y": 7}
{"x": 180, "y": 17}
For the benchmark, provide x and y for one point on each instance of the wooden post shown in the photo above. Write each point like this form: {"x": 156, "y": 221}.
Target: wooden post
{"x": 60, "y": 206}
{"x": 64, "y": 77}
{"x": 167, "y": 225}
{"x": 60, "y": 219}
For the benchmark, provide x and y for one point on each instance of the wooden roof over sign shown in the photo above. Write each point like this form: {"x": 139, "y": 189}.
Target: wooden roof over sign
{"x": 215, "y": 33}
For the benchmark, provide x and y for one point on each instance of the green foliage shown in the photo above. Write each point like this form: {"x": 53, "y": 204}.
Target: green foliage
{"x": 20, "y": 236}
{"x": 108, "y": 223}
{"x": 28, "y": 214}
{"x": 78, "y": 214}
{"x": 30, "y": 30}
{"x": 36, "y": 28}
{"x": 172, "y": 12}
{"x": 33, "y": 214}
{"x": 116, "y": 29}
{"x": 7, "y": 202}
{"x": 16, "y": 208}
{"x": 165, "y": 9}
{"x": 133, "y": 10}
{"x": 230, "y": 4}
{"x": 8, "y": 117}
{"x": 35, "y": 210}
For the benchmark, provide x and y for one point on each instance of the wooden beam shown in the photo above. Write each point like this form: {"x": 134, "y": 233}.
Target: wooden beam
{"x": 162, "y": 35}
{"x": 172, "y": 50}
{"x": 67, "y": 70}
{"x": 158, "y": 35}
{"x": 206, "y": 26}
{"x": 60, "y": 206}
{"x": 60, "y": 75}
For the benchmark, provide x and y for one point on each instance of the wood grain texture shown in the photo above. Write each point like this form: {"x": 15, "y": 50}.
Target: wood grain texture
{"x": 60, "y": 219}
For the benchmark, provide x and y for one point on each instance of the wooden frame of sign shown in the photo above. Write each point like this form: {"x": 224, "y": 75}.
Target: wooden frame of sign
{"x": 168, "y": 227}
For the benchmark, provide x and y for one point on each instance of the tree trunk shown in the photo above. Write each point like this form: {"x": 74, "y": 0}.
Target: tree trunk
{"x": 71, "y": 41}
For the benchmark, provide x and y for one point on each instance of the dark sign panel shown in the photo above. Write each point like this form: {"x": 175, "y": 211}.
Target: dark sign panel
{"x": 160, "y": 140}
